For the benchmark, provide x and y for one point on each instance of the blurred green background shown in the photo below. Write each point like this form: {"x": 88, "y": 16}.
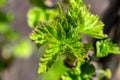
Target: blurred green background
{"x": 19, "y": 57}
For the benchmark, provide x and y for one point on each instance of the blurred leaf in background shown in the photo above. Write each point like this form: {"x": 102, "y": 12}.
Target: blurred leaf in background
{"x": 40, "y": 12}
{"x": 36, "y": 15}
{"x": 3, "y": 27}
{"x": 23, "y": 49}
{"x": 38, "y": 3}
{"x": 2, "y": 3}
{"x": 5, "y": 19}
{"x": 11, "y": 44}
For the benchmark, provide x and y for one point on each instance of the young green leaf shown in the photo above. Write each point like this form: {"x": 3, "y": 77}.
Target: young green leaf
{"x": 105, "y": 47}
{"x": 72, "y": 74}
{"x": 87, "y": 70}
{"x": 63, "y": 36}
{"x": 78, "y": 15}
{"x": 48, "y": 58}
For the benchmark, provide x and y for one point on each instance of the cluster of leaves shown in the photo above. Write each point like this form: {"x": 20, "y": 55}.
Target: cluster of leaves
{"x": 40, "y": 13}
{"x": 10, "y": 47}
{"x": 63, "y": 37}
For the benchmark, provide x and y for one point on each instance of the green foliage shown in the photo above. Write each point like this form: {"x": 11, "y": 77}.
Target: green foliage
{"x": 6, "y": 32}
{"x": 5, "y": 19}
{"x": 103, "y": 73}
{"x": 86, "y": 23}
{"x": 65, "y": 1}
{"x": 63, "y": 37}
{"x": 23, "y": 49}
{"x": 87, "y": 70}
{"x": 36, "y": 15}
{"x": 38, "y": 3}
{"x": 2, "y": 3}
{"x": 105, "y": 47}
{"x": 11, "y": 46}
{"x": 3, "y": 28}
{"x": 72, "y": 74}
{"x": 40, "y": 13}
{"x": 81, "y": 72}
{"x": 57, "y": 69}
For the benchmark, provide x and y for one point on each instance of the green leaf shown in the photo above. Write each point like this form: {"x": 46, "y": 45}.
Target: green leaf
{"x": 2, "y": 3}
{"x": 48, "y": 58}
{"x": 11, "y": 35}
{"x": 23, "y": 49}
{"x": 36, "y": 15}
{"x": 33, "y": 16}
{"x": 104, "y": 73}
{"x": 5, "y": 17}
{"x": 72, "y": 74}
{"x": 93, "y": 27}
{"x": 56, "y": 70}
{"x": 82, "y": 71}
{"x": 87, "y": 70}
{"x": 4, "y": 28}
{"x": 105, "y": 47}
{"x": 78, "y": 15}
{"x": 39, "y": 35}
{"x": 38, "y": 3}
{"x": 88, "y": 46}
